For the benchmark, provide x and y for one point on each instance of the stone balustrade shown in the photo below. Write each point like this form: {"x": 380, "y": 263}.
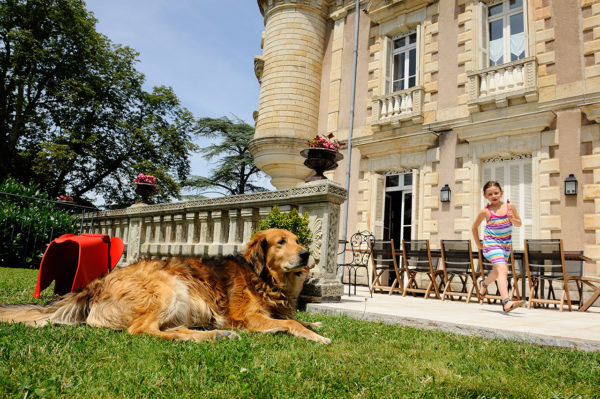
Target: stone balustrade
{"x": 222, "y": 226}
{"x": 497, "y": 85}
{"x": 397, "y": 107}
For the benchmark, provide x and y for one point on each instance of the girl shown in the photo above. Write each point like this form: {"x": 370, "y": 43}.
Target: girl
{"x": 500, "y": 217}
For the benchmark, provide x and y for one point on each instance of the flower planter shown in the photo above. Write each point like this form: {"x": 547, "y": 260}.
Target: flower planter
{"x": 145, "y": 190}
{"x": 320, "y": 160}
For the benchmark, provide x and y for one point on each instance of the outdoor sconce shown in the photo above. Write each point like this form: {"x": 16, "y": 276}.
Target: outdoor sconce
{"x": 571, "y": 185}
{"x": 445, "y": 193}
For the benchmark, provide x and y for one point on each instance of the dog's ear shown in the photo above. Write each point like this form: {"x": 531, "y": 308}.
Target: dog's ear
{"x": 256, "y": 253}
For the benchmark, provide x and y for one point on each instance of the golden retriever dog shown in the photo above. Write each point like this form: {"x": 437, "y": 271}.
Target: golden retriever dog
{"x": 166, "y": 298}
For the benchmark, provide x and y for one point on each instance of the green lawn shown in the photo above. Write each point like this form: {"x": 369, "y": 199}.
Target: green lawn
{"x": 365, "y": 359}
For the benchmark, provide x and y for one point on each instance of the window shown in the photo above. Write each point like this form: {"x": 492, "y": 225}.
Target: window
{"x": 515, "y": 177}
{"x": 503, "y": 33}
{"x": 401, "y": 68}
{"x": 398, "y": 206}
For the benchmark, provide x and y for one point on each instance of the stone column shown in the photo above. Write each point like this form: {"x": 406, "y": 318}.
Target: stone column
{"x": 290, "y": 77}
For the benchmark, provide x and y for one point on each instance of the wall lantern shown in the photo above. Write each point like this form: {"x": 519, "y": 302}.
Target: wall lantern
{"x": 571, "y": 185}
{"x": 445, "y": 193}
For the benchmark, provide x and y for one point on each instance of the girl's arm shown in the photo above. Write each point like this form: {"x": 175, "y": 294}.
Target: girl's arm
{"x": 475, "y": 229}
{"x": 513, "y": 216}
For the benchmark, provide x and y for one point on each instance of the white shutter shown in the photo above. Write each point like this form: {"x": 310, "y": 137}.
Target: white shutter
{"x": 386, "y": 67}
{"x": 513, "y": 194}
{"x": 526, "y": 210}
{"x": 483, "y": 36}
{"x": 515, "y": 177}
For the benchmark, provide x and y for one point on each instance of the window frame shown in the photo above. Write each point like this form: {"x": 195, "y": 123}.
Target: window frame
{"x": 387, "y": 59}
{"x": 505, "y": 15}
{"x": 406, "y": 50}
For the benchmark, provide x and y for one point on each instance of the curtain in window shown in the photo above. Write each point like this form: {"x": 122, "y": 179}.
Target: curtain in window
{"x": 496, "y": 51}
{"x": 517, "y": 46}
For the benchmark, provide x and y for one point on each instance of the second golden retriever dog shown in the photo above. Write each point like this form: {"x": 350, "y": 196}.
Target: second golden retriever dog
{"x": 166, "y": 298}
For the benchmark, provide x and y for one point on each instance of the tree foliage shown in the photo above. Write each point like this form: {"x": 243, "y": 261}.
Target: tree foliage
{"x": 237, "y": 171}
{"x": 291, "y": 221}
{"x": 73, "y": 114}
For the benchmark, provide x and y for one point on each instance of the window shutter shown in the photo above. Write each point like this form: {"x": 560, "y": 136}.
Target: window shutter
{"x": 483, "y": 36}
{"x": 515, "y": 177}
{"x": 386, "y": 58}
{"x": 514, "y": 193}
{"x": 378, "y": 206}
{"x": 526, "y": 210}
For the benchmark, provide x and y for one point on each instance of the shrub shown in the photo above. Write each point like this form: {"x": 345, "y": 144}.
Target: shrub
{"x": 28, "y": 222}
{"x": 291, "y": 221}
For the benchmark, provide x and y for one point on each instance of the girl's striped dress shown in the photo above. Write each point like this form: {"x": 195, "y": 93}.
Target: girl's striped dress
{"x": 497, "y": 237}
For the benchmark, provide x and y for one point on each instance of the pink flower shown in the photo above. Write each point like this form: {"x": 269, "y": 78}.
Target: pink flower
{"x": 142, "y": 178}
{"x": 324, "y": 142}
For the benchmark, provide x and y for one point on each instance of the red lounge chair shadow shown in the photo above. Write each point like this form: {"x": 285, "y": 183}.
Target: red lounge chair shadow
{"x": 74, "y": 261}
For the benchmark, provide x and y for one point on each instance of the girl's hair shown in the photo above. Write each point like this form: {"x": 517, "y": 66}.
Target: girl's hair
{"x": 491, "y": 183}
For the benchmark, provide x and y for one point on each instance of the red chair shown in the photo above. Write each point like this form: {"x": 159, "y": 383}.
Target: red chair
{"x": 74, "y": 261}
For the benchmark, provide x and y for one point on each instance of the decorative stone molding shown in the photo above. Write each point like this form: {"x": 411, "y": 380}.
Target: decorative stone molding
{"x": 221, "y": 226}
{"x": 259, "y": 65}
{"x": 498, "y": 85}
{"x": 269, "y": 6}
{"x": 279, "y": 157}
{"x": 383, "y": 10}
{"x": 504, "y": 127}
{"x": 393, "y": 109}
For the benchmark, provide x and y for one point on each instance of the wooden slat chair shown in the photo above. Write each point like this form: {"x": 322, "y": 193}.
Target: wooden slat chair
{"x": 457, "y": 261}
{"x": 416, "y": 259}
{"x": 384, "y": 259}
{"x": 545, "y": 263}
{"x": 358, "y": 256}
{"x": 513, "y": 278}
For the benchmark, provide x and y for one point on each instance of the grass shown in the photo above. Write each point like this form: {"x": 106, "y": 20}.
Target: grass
{"x": 365, "y": 359}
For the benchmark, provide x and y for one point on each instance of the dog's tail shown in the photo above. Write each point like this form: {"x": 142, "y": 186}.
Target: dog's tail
{"x": 72, "y": 308}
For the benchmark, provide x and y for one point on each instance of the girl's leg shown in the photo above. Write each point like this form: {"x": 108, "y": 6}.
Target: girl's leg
{"x": 501, "y": 270}
{"x": 501, "y": 277}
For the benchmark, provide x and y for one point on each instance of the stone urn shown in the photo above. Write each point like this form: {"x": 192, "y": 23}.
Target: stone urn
{"x": 145, "y": 190}
{"x": 320, "y": 160}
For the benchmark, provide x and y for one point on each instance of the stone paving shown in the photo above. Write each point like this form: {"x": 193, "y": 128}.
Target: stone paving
{"x": 540, "y": 326}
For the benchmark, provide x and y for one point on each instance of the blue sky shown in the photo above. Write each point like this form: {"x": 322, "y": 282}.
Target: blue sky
{"x": 203, "y": 49}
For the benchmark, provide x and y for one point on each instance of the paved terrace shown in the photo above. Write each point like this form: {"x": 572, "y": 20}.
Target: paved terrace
{"x": 540, "y": 326}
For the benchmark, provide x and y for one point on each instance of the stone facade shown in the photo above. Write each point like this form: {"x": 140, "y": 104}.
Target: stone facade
{"x": 533, "y": 120}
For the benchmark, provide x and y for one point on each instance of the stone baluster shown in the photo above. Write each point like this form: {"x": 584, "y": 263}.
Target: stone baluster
{"x": 397, "y": 103}
{"x": 204, "y": 234}
{"x": 166, "y": 242}
{"x": 483, "y": 87}
{"x": 383, "y": 108}
{"x": 190, "y": 224}
{"x": 510, "y": 83}
{"x": 249, "y": 220}
{"x": 157, "y": 236}
{"x": 216, "y": 246}
{"x": 179, "y": 234}
{"x": 518, "y": 76}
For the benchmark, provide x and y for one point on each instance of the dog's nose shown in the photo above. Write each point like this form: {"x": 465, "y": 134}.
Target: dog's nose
{"x": 304, "y": 256}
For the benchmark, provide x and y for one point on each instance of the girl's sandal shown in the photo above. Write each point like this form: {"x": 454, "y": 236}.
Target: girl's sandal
{"x": 482, "y": 289}
{"x": 515, "y": 304}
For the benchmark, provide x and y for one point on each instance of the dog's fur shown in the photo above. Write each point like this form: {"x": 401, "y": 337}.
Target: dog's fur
{"x": 165, "y": 298}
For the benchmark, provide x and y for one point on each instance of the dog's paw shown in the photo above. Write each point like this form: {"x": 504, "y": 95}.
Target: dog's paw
{"x": 322, "y": 339}
{"x": 218, "y": 334}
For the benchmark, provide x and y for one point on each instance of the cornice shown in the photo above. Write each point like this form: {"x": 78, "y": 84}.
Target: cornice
{"x": 382, "y": 10}
{"x": 267, "y": 7}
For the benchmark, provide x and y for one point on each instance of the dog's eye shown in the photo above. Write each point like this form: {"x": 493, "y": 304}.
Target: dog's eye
{"x": 282, "y": 241}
